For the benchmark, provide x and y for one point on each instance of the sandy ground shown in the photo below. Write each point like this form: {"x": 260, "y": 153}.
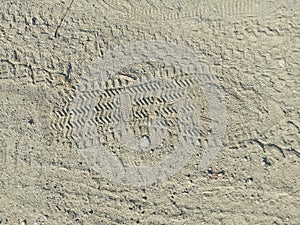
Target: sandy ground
{"x": 251, "y": 48}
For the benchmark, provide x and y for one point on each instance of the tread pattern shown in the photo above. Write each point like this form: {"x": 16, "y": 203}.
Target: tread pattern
{"x": 216, "y": 9}
{"x": 118, "y": 111}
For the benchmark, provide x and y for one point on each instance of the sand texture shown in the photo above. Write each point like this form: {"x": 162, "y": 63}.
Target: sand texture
{"x": 150, "y": 112}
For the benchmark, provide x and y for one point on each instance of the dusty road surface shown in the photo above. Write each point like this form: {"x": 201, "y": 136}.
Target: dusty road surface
{"x": 150, "y": 112}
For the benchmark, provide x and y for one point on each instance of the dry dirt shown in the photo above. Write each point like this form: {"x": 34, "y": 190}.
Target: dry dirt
{"x": 252, "y": 49}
